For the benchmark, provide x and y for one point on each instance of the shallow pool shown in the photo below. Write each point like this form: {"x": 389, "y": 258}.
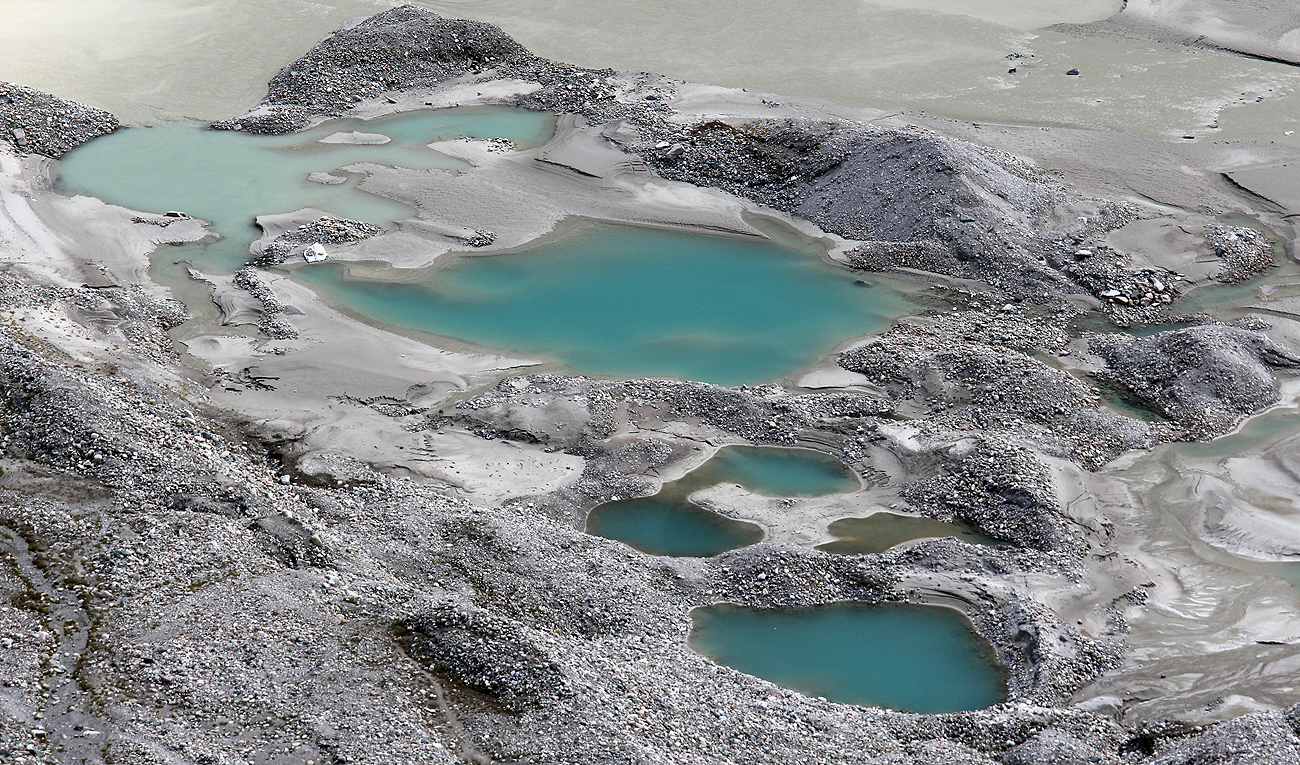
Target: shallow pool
{"x": 880, "y": 531}
{"x": 775, "y": 472}
{"x": 629, "y": 301}
{"x": 669, "y": 524}
{"x": 230, "y": 178}
{"x": 925, "y": 659}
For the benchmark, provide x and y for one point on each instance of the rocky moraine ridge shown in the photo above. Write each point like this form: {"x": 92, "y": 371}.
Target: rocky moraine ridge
{"x": 186, "y": 584}
{"x": 39, "y": 123}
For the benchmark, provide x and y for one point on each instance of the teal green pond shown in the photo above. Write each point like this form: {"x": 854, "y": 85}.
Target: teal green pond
{"x": 630, "y": 301}
{"x": 775, "y": 471}
{"x": 925, "y": 659}
{"x": 670, "y": 524}
{"x": 667, "y": 524}
{"x": 229, "y": 177}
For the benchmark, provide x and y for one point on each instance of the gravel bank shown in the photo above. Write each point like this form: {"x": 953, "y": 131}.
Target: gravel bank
{"x": 39, "y": 123}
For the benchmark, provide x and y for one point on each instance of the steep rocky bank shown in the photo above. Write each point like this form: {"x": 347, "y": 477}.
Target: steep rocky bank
{"x": 36, "y": 122}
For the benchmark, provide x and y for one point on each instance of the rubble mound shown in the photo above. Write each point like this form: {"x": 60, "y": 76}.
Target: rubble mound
{"x": 39, "y": 123}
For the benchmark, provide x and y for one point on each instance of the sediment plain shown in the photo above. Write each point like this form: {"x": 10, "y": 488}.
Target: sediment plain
{"x": 253, "y": 528}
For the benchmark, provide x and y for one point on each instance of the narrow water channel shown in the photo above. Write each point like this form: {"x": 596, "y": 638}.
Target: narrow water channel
{"x": 882, "y": 530}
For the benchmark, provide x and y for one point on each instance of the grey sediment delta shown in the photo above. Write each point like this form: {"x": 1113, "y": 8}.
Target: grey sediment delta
{"x": 173, "y": 595}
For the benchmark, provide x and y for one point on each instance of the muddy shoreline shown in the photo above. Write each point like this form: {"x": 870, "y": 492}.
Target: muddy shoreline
{"x": 1265, "y": 30}
{"x": 337, "y": 544}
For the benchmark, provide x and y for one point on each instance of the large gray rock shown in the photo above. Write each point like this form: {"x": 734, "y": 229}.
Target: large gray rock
{"x": 398, "y": 49}
{"x": 975, "y": 372}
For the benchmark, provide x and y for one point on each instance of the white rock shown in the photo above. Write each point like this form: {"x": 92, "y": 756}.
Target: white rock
{"x": 315, "y": 253}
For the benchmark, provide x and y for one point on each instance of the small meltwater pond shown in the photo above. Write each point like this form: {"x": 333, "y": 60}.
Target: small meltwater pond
{"x": 669, "y": 524}
{"x": 880, "y": 531}
{"x": 925, "y": 659}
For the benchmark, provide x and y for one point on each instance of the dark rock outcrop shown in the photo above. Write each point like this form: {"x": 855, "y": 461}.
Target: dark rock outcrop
{"x": 485, "y": 652}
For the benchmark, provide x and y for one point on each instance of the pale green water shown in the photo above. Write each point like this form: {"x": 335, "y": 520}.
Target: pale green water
{"x": 229, "y": 177}
{"x": 631, "y": 302}
{"x": 669, "y": 524}
{"x": 880, "y": 531}
{"x": 924, "y": 659}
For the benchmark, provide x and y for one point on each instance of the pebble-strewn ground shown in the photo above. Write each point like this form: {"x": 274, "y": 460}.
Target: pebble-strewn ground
{"x": 179, "y": 588}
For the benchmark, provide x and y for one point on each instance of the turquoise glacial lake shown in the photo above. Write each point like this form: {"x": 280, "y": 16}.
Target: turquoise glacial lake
{"x": 629, "y": 301}
{"x": 608, "y": 300}
{"x": 229, "y": 178}
{"x": 913, "y": 658}
{"x": 670, "y": 524}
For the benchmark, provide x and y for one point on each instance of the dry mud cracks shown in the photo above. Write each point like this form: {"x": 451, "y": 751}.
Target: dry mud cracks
{"x": 169, "y": 597}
